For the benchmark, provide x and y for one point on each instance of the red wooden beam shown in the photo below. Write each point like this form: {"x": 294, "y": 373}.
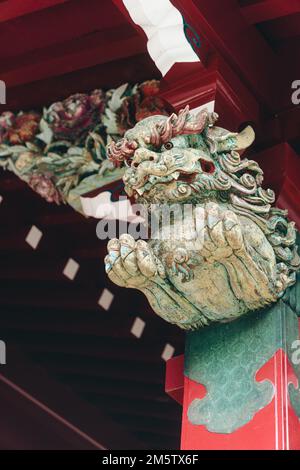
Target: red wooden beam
{"x": 267, "y": 10}
{"x": 16, "y": 8}
{"x": 239, "y": 44}
{"x": 120, "y": 5}
{"x": 283, "y": 28}
{"x": 219, "y": 83}
{"x": 290, "y": 120}
{"x": 58, "y": 25}
{"x": 283, "y": 127}
{"x": 97, "y": 48}
{"x": 37, "y": 94}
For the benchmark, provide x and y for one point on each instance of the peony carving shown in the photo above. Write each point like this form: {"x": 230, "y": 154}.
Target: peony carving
{"x": 234, "y": 251}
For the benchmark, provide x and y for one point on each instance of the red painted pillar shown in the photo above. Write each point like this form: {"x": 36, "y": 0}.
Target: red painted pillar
{"x": 275, "y": 427}
{"x": 241, "y": 383}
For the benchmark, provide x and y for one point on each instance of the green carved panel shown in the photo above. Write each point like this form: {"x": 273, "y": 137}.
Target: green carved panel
{"x": 226, "y": 357}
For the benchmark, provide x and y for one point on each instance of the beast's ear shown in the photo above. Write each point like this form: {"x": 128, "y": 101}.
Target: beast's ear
{"x": 245, "y": 138}
{"x": 220, "y": 140}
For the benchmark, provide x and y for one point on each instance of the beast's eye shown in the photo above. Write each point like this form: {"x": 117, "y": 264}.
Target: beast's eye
{"x": 207, "y": 167}
{"x": 168, "y": 145}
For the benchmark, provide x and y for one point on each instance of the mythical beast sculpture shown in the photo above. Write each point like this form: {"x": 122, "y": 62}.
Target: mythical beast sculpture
{"x": 232, "y": 253}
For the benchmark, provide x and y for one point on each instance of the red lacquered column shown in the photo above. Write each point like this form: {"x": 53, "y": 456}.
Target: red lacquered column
{"x": 235, "y": 406}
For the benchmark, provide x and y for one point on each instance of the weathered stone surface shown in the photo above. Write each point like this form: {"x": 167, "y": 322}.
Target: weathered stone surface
{"x": 230, "y": 252}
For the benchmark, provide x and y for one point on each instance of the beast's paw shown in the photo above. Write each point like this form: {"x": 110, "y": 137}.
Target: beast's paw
{"x": 221, "y": 233}
{"x": 131, "y": 263}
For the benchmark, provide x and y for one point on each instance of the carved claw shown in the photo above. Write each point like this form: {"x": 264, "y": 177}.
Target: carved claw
{"x": 131, "y": 263}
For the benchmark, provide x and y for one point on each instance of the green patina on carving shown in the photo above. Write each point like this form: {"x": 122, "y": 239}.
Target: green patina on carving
{"x": 226, "y": 357}
{"x": 231, "y": 252}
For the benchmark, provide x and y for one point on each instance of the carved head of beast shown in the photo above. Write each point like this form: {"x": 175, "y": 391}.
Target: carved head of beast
{"x": 242, "y": 253}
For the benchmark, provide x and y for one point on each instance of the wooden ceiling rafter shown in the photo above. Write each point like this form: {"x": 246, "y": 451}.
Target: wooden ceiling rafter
{"x": 267, "y": 10}
{"x": 10, "y": 9}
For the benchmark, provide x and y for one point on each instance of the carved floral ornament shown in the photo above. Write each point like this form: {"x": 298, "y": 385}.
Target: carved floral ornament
{"x": 233, "y": 253}
{"x": 60, "y": 152}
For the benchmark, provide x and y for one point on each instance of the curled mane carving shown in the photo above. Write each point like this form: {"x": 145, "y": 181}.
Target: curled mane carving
{"x": 120, "y": 151}
{"x": 183, "y": 123}
{"x": 162, "y": 132}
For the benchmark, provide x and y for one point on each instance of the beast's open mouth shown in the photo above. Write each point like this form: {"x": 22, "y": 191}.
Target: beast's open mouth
{"x": 172, "y": 178}
{"x": 187, "y": 176}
